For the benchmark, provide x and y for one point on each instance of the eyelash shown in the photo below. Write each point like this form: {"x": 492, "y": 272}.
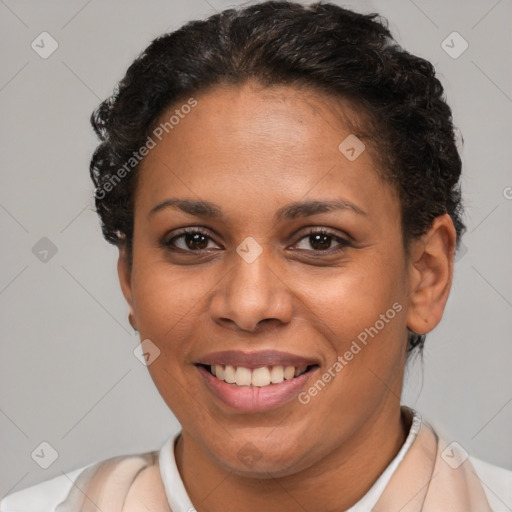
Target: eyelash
{"x": 343, "y": 243}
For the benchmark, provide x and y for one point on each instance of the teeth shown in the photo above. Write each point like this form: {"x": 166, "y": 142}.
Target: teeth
{"x": 276, "y": 374}
{"x": 229, "y": 374}
{"x": 289, "y": 372}
{"x": 219, "y": 371}
{"x": 299, "y": 371}
{"x": 259, "y": 377}
{"x": 243, "y": 376}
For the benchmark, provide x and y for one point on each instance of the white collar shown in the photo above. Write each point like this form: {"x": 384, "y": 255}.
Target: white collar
{"x": 369, "y": 500}
{"x": 179, "y": 500}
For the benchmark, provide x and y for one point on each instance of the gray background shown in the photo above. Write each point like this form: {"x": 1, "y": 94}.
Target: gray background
{"x": 68, "y": 374}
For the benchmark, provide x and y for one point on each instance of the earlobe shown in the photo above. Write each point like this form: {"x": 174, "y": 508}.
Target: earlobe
{"x": 431, "y": 273}
{"x": 124, "y": 274}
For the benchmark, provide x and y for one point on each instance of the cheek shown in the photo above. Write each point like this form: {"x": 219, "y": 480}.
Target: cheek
{"x": 166, "y": 299}
{"x": 361, "y": 316}
{"x": 167, "y": 307}
{"x": 353, "y": 302}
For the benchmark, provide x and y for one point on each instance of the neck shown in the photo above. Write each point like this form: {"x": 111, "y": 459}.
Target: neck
{"x": 334, "y": 483}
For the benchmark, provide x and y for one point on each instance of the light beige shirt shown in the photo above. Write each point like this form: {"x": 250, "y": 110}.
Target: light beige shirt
{"x": 496, "y": 483}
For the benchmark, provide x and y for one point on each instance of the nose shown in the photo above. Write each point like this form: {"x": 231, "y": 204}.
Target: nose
{"x": 251, "y": 295}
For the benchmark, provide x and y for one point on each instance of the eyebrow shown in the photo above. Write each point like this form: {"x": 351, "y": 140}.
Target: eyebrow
{"x": 289, "y": 212}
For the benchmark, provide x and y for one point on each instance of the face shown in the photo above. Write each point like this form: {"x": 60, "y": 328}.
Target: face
{"x": 254, "y": 274}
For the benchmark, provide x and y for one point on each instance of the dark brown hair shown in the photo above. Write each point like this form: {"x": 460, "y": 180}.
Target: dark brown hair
{"x": 323, "y": 47}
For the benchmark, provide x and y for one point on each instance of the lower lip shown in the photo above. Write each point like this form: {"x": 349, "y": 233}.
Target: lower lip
{"x": 255, "y": 399}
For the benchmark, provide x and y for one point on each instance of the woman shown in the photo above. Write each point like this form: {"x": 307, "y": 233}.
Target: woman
{"x": 282, "y": 183}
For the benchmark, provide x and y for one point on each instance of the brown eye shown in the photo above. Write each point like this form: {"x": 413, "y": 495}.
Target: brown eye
{"x": 190, "y": 241}
{"x": 322, "y": 240}
{"x": 195, "y": 241}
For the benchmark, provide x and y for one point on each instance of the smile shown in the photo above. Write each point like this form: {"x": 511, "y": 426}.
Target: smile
{"x": 258, "y": 377}
{"x": 255, "y": 381}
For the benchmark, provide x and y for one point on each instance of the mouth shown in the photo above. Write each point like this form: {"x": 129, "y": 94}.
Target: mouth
{"x": 260, "y": 377}
{"x": 255, "y": 381}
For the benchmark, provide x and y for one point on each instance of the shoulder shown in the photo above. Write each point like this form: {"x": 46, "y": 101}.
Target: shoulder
{"x": 42, "y": 497}
{"x": 496, "y": 481}
{"x": 47, "y": 495}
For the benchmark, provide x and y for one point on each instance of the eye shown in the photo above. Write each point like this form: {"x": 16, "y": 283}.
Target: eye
{"x": 321, "y": 240}
{"x": 197, "y": 240}
{"x": 190, "y": 240}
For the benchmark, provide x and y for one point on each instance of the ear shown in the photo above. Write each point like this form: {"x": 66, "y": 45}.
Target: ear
{"x": 125, "y": 280}
{"x": 431, "y": 273}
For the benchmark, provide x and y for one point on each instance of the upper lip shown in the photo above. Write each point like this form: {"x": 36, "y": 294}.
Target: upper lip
{"x": 256, "y": 359}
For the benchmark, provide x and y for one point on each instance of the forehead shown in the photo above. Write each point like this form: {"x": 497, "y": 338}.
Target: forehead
{"x": 280, "y": 142}
{"x": 244, "y": 117}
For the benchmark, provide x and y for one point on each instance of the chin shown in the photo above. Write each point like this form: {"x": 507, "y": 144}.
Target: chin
{"x": 244, "y": 456}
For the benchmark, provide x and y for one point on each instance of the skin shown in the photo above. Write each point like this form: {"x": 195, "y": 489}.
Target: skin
{"x": 252, "y": 151}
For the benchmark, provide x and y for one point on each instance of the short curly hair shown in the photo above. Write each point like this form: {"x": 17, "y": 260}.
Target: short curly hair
{"x": 327, "y": 49}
